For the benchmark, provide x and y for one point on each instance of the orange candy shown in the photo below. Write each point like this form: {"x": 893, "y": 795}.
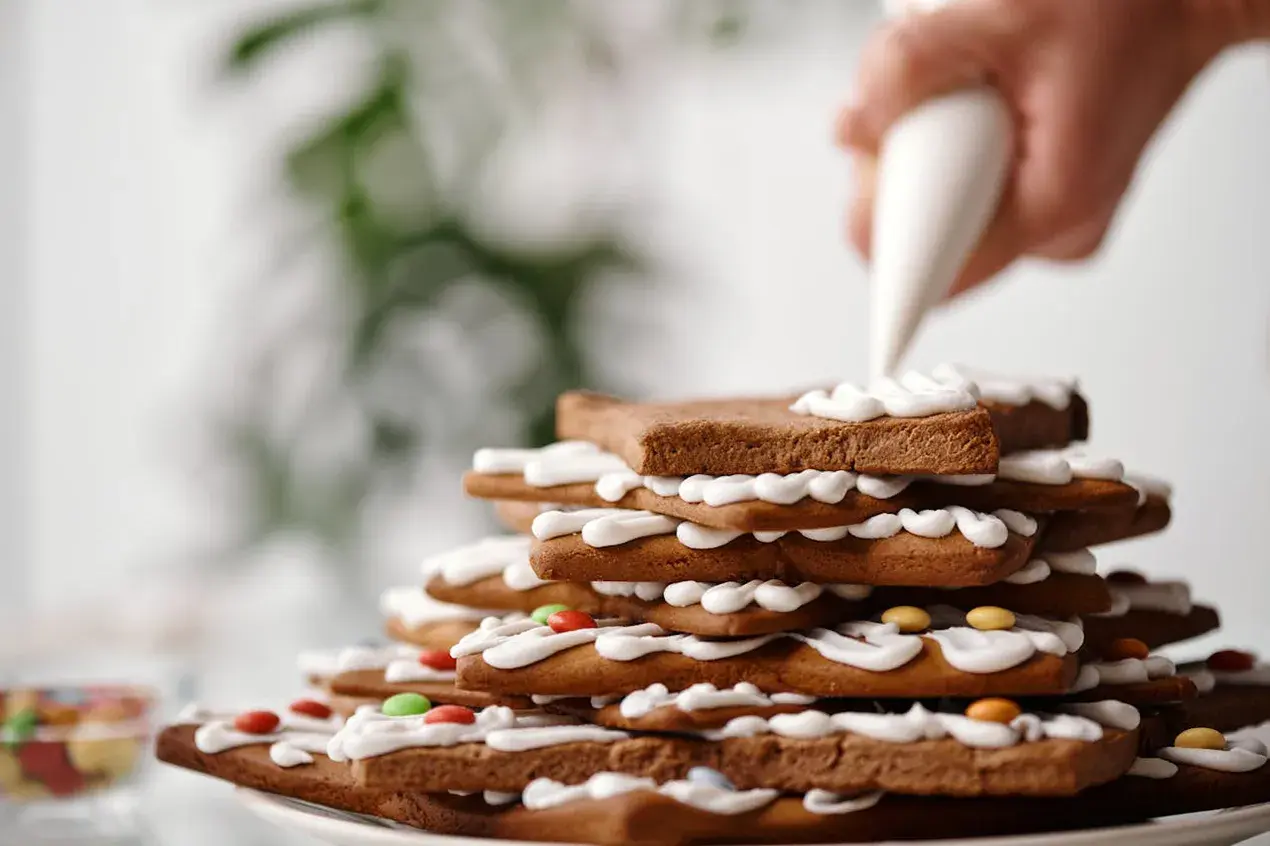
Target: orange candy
{"x": 311, "y": 708}
{"x": 1125, "y": 647}
{"x": 994, "y": 710}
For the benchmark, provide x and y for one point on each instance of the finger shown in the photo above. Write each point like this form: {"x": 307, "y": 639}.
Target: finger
{"x": 918, "y": 57}
{"x": 1002, "y": 244}
{"x": 860, "y": 216}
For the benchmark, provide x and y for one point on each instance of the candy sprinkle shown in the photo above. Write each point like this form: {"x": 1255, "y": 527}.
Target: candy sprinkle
{"x": 542, "y": 612}
{"x": 406, "y": 705}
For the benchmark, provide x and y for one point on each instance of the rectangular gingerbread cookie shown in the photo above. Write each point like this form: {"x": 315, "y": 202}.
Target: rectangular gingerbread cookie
{"x": 495, "y": 573}
{"x": 577, "y": 473}
{"x": 722, "y": 437}
{"x": 944, "y": 547}
{"x": 1043, "y": 754}
{"x": 862, "y": 659}
{"x": 767, "y": 435}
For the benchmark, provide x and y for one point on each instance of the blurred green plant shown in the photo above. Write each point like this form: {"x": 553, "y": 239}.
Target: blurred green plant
{"x": 392, "y": 176}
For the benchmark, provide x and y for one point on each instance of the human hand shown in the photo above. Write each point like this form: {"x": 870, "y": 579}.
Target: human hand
{"x": 1088, "y": 83}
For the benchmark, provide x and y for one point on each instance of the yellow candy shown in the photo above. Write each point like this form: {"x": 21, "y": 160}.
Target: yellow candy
{"x": 113, "y": 757}
{"x": 10, "y": 771}
{"x": 988, "y": 618}
{"x": 1200, "y": 738}
{"x": 909, "y": 618}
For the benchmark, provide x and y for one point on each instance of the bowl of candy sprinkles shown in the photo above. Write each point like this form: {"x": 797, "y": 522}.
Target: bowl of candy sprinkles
{"x": 67, "y": 741}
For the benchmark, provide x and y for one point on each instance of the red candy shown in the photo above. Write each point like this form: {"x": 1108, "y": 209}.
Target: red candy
{"x": 1231, "y": 661}
{"x": 437, "y": 659}
{"x": 311, "y": 708}
{"x": 257, "y": 722}
{"x": 570, "y": 621}
{"x": 450, "y": 714}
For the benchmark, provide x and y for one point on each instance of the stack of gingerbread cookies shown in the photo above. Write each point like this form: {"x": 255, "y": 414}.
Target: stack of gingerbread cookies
{"x": 843, "y": 616}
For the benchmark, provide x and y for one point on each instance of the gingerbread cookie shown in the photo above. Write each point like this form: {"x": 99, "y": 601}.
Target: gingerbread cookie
{"x": 942, "y": 547}
{"x": 995, "y": 653}
{"x": 1156, "y": 613}
{"x": 1054, "y": 754}
{"x": 360, "y": 674}
{"x": 580, "y": 474}
{"x": 1234, "y": 690}
{"x": 495, "y": 573}
{"x": 613, "y": 809}
{"x": 722, "y": 437}
{"x": 1070, "y": 530}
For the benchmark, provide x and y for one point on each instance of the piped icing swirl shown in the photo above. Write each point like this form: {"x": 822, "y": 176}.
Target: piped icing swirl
{"x": 704, "y": 697}
{"x": 370, "y": 733}
{"x": 509, "y": 557}
{"x": 293, "y": 743}
{"x": 918, "y": 723}
{"x": 545, "y": 793}
{"x": 399, "y": 662}
{"x": 604, "y": 527}
{"x": 865, "y": 645}
{"x": 912, "y": 395}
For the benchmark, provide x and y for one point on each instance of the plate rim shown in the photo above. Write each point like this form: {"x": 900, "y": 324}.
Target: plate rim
{"x": 1238, "y": 822}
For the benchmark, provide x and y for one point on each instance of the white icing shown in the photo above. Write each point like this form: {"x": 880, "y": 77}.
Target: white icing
{"x": 823, "y": 802}
{"x": 1119, "y": 605}
{"x": 1080, "y": 562}
{"x": 1156, "y": 768}
{"x": 873, "y": 646}
{"x": 973, "y": 651}
{"x": 1169, "y": 597}
{"x": 522, "y": 739}
{"x": 916, "y": 724}
{"x": 1203, "y": 679}
{"x": 704, "y": 697}
{"x": 473, "y": 562}
{"x": 1033, "y": 572}
{"x": 404, "y": 671}
{"x": 298, "y": 749}
{"x": 1239, "y": 756}
{"x": 332, "y": 662}
{"x": 218, "y": 734}
{"x": 730, "y": 597}
{"x": 631, "y": 644}
{"x": 914, "y": 395}
{"x": 544, "y": 793}
{"x": 877, "y": 647}
{"x": 561, "y": 463}
{"x": 1258, "y": 676}
{"x": 370, "y": 733}
{"x": 1057, "y": 467}
{"x": 507, "y": 645}
{"x": 1125, "y": 671}
{"x": 413, "y": 607}
{"x": 601, "y": 527}
{"x": 497, "y": 797}
{"x": 1010, "y": 390}
{"x": 1108, "y": 712}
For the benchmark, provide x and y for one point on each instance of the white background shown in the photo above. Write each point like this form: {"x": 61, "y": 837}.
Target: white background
{"x": 136, "y": 208}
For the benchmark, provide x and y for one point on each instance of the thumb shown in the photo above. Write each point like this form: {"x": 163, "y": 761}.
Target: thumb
{"x": 915, "y": 58}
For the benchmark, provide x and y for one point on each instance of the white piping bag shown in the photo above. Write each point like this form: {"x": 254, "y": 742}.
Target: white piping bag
{"x": 941, "y": 171}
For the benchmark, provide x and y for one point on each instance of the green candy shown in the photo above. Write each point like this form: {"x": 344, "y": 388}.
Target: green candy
{"x": 542, "y": 612}
{"x": 20, "y": 728}
{"x": 406, "y": 705}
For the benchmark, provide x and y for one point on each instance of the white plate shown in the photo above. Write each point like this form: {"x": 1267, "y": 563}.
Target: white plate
{"x": 1213, "y": 828}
